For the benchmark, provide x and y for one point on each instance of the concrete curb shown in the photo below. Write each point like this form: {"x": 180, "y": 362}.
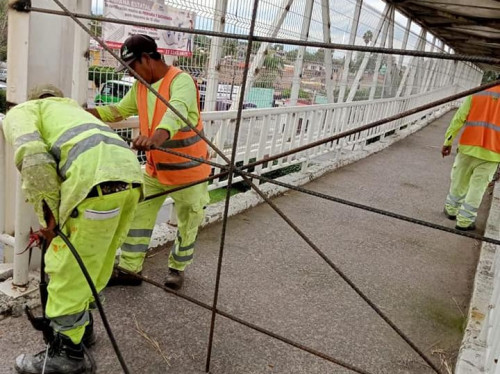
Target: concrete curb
{"x": 164, "y": 233}
{"x": 472, "y": 354}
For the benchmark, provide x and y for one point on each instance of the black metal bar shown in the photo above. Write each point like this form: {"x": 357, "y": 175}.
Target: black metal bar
{"x": 229, "y": 184}
{"x": 401, "y": 217}
{"x": 184, "y": 186}
{"x": 97, "y": 300}
{"x": 345, "y": 47}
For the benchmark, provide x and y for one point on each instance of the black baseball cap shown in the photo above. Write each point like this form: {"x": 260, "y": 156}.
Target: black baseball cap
{"x": 134, "y": 46}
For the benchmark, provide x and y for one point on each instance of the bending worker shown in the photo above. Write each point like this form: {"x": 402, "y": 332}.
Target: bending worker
{"x": 78, "y": 175}
{"x": 162, "y": 128}
{"x": 478, "y": 155}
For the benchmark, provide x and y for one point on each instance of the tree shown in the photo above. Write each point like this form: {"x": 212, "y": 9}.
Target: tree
{"x": 292, "y": 55}
{"x": 272, "y": 68}
{"x": 273, "y": 62}
{"x": 370, "y": 66}
{"x": 319, "y": 56}
{"x": 302, "y": 94}
{"x": 200, "y": 53}
{"x": 229, "y": 47}
{"x": 255, "y": 47}
{"x": 278, "y": 47}
{"x": 489, "y": 76}
{"x": 367, "y": 37}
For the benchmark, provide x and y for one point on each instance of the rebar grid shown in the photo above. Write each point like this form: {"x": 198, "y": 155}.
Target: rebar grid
{"x": 245, "y": 175}
{"x": 187, "y": 122}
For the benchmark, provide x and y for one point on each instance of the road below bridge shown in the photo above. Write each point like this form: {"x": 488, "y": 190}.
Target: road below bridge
{"x": 421, "y": 278}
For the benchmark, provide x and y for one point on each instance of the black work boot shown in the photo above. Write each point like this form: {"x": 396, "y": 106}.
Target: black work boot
{"x": 449, "y": 216}
{"x": 471, "y": 227}
{"x": 120, "y": 278}
{"x": 63, "y": 357}
{"x": 89, "y": 338}
{"x": 175, "y": 279}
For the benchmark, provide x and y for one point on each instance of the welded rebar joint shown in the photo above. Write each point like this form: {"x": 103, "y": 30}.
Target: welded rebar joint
{"x": 21, "y": 5}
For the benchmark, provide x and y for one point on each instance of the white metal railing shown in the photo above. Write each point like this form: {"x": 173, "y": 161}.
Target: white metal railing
{"x": 267, "y": 132}
{"x": 264, "y": 132}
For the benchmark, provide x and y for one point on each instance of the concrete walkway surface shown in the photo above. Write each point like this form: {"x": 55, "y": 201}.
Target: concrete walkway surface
{"x": 419, "y": 277}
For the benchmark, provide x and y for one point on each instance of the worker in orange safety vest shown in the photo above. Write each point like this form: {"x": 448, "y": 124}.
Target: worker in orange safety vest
{"x": 478, "y": 155}
{"x": 160, "y": 127}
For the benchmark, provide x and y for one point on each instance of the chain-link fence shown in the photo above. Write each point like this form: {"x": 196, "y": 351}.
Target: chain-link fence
{"x": 351, "y": 76}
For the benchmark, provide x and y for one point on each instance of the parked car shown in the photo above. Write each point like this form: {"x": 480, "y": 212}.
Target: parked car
{"x": 112, "y": 92}
{"x": 3, "y": 75}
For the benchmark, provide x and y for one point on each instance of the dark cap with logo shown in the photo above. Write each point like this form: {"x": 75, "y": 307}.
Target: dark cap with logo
{"x": 134, "y": 46}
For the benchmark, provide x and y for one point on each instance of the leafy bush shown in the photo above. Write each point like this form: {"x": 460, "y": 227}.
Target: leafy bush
{"x": 102, "y": 74}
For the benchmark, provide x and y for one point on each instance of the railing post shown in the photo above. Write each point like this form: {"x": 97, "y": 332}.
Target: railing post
{"x": 304, "y": 35}
{"x": 216, "y": 47}
{"x": 17, "y": 88}
{"x": 21, "y": 260}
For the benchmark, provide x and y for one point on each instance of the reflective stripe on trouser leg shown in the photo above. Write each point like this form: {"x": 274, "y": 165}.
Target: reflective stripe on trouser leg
{"x": 137, "y": 242}
{"x": 459, "y": 185}
{"x": 482, "y": 174}
{"x": 96, "y": 240}
{"x": 452, "y": 204}
{"x": 189, "y": 204}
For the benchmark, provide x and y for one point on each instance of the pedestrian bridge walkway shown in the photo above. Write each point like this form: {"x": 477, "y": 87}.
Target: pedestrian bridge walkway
{"x": 420, "y": 278}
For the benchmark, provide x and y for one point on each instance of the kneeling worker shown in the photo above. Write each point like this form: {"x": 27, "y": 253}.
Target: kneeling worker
{"x": 81, "y": 177}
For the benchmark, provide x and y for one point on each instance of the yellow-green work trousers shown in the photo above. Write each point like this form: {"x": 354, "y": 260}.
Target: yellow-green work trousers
{"x": 189, "y": 205}
{"x": 469, "y": 179}
{"x": 96, "y": 231}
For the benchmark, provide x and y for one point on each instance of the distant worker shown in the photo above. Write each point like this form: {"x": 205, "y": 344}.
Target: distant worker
{"x": 477, "y": 158}
{"x": 162, "y": 128}
{"x": 80, "y": 176}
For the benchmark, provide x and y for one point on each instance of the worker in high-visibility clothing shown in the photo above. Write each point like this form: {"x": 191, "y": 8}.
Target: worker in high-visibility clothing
{"x": 477, "y": 158}
{"x": 81, "y": 176}
{"x": 162, "y": 128}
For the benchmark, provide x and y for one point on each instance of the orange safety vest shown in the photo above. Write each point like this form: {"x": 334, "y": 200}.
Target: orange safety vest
{"x": 171, "y": 169}
{"x": 482, "y": 127}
